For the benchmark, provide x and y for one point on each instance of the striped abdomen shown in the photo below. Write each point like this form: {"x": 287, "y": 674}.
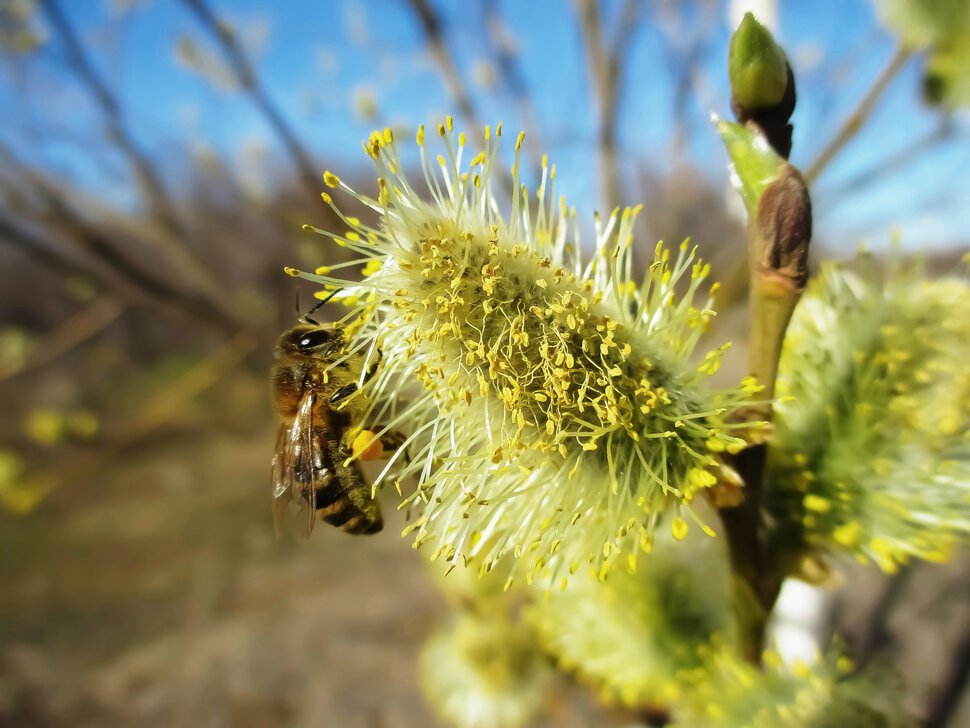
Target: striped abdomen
{"x": 340, "y": 494}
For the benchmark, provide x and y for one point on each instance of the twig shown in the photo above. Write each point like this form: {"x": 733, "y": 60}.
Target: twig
{"x": 683, "y": 59}
{"x": 175, "y": 250}
{"x": 36, "y": 248}
{"x": 142, "y": 421}
{"x": 606, "y": 70}
{"x": 825, "y": 96}
{"x": 170, "y": 399}
{"x": 778, "y": 253}
{"x": 61, "y": 216}
{"x": 892, "y": 163}
{"x": 249, "y": 81}
{"x": 857, "y": 117}
{"x": 73, "y": 228}
{"x": 755, "y": 586}
{"x": 80, "y": 327}
{"x": 81, "y": 65}
{"x": 511, "y": 73}
{"x": 431, "y": 25}
{"x": 95, "y": 245}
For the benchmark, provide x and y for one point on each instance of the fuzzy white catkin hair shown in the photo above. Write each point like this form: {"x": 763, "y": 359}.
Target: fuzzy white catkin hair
{"x": 559, "y": 413}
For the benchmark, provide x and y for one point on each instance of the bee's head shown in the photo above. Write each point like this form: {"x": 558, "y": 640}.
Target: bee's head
{"x": 307, "y": 340}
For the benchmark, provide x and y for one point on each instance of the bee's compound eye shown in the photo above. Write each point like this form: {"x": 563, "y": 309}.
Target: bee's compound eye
{"x": 314, "y": 339}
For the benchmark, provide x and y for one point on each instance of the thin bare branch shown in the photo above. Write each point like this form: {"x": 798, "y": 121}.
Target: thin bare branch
{"x": 858, "y": 116}
{"x": 686, "y": 42}
{"x": 91, "y": 243}
{"x": 82, "y": 326}
{"x": 886, "y": 166}
{"x": 37, "y": 249}
{"x": 65, "y": 223}
{"x": 171, "y": 399}
{"x": 431, "y": 25}
{"x": 80, "y": 63}
{"x": 103, "y": 245}
{"x": 606, "y": 72}
{"x": 877, "y": 635}
{"x": 510, "y": 70}
{"x": 186, "y": 262}
{"x": 249, "y": 80}
{"x": 143, "y": 420}
{"x": 102, "y": 250}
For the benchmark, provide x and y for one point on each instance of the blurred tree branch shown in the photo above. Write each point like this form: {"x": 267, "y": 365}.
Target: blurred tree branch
{"x": 57, "y": 215}
{"x": 80, "y": 64}
{"x": 101, "y": 249}
{"x": 606, "y": 74}
{"x": 185, "y": 261}
{"x": 858, "y": 116}
{"x": 86, "y": 323}
{"x": 501, "y": 47}
{"x": 148, "y": 415}
{"x": 249, "y": 80}
{"x": 432, "y": 27}
{"x": 886, "y": 166}
{"x": 95, "y": 245}
{"x": 37, "y": 249}
{"x": 172, "y": 398}
{"x": 685, "y": 43}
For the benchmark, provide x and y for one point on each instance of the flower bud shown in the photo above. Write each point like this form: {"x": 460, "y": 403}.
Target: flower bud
{"x": 762, "y": 84}
{"x": 784, "y": 225}
{"x": 824, "y": 692}
{"x": 636, "y": 636}
{"x": 870, "y": 455}
{"x": 757, "y": 66}
{"x": 483, "y": 672}
{"x": 939, "y": 32}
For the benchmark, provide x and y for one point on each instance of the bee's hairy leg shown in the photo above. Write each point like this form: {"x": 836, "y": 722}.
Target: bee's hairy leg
{"x": 344, "y": 392}
{"x": 372, "y": 369}
{"x": 392, "y": 440}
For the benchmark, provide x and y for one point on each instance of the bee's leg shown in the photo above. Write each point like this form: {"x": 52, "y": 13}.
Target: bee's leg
{"x": 372, "y": 369}
{"x": 392, "y": 440}
{"x": 343, "y": 392}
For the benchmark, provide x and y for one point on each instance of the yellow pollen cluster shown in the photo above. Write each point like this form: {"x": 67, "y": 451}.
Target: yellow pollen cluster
{"x": 529, "y": 333}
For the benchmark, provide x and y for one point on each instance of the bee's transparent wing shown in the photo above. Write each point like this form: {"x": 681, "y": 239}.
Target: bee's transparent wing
{"x": 293, "y": 471}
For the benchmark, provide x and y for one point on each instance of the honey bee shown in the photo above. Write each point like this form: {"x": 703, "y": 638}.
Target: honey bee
{"x": 313, "y": 378}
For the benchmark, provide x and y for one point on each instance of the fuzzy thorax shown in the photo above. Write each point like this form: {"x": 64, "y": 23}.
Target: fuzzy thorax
{"x": 558, "y": 414}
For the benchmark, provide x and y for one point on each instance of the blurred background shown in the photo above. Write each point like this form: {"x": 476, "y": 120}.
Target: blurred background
{"x": 157, "y": 161}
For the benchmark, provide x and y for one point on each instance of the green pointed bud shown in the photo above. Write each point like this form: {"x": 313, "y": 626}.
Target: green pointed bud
{"x": 757, "y": 66}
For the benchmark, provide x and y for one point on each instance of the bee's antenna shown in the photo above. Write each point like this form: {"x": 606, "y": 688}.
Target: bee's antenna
{"x": 306, "y": 316}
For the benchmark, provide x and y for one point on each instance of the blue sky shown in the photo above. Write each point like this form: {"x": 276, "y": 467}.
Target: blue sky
{"x": 319, "y": 59}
